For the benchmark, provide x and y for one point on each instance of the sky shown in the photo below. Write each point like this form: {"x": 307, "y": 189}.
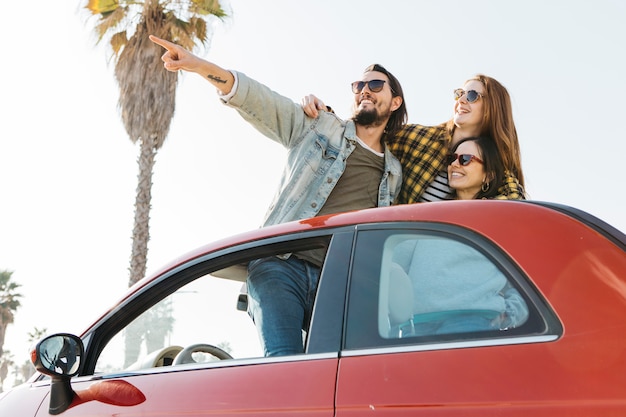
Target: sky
{"x": 68, "y": 170}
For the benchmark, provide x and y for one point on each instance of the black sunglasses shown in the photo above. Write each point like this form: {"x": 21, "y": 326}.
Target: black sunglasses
{"x": 471, "y": 95}
{"x": 464, "y": 159}
{"x": 374, "y": 85}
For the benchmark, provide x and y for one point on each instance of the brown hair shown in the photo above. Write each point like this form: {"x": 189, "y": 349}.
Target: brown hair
{"x": 498, "y": 124}
{"x": 398, "y": 117}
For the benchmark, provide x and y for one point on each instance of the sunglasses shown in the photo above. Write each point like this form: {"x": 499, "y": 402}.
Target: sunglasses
{"x": 374, "y": 85}
{"x": 464, "y": 159}
{"x": 471, "y": 96}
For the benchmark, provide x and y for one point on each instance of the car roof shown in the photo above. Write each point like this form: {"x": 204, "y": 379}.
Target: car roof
{"x": 481, "y": 216}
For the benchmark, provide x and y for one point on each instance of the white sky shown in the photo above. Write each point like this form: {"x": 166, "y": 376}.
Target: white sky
{"x": 68, "y": 170}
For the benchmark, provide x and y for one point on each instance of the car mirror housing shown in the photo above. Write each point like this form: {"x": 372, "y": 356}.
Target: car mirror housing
{"x": 59, "y": 356}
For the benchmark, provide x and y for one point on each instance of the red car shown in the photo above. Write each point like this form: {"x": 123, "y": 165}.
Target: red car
{"x": 380, "y": 340}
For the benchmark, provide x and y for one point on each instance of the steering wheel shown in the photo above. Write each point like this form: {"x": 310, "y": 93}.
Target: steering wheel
{"x": 184, "y": 356}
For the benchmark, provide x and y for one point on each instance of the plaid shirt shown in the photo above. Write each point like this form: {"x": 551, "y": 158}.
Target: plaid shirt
{"x": 422, "y": 151}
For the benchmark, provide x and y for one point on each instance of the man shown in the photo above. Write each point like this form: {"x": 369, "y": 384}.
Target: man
{"x": 332, "y": 166}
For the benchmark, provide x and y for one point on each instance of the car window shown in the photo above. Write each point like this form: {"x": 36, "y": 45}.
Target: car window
{"x": 200, "y": 305}
{"x": 432, "y": 285}
{"x": 203, "y": 312}
{"x": 422, "y": 287}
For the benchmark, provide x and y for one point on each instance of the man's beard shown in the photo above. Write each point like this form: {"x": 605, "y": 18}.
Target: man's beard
{"x": 370, "y": 117}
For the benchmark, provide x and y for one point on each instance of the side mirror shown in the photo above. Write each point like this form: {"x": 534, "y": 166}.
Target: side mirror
{"x": 59, "y": 356}
{"x": 242, "y": 299}
{"x": 242, "y": 302}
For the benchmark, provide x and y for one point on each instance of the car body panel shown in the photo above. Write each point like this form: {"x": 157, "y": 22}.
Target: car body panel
{"x": 570, "y": 267}
{"x": 24, "y": 400}
{"x": 219, "y": 391}
{"x": 584, "y": 281}
{"x": 516, "y": 380}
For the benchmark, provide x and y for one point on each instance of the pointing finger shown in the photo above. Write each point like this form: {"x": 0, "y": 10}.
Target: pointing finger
{"x": 162, "y": 42}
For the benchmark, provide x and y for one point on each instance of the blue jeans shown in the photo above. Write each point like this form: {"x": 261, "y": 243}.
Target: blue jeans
{"x": 281, "y": 293}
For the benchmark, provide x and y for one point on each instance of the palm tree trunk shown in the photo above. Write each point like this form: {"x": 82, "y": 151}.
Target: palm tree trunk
{"x": 3, "y": 329}
{"x": 141, "y": 230}
{"x": 141, "y": 236}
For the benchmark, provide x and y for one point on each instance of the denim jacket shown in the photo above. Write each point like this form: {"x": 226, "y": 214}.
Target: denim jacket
{"x": 317, "y": 151}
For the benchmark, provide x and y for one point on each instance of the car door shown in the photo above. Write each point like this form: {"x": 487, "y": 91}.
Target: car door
{"x": 410, "y": 345}
{"x": 131, "y": 354}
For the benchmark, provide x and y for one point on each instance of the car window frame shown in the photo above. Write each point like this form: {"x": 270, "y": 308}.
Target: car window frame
{"x": 539, "y": 307}
{"x": 96, "y": 338}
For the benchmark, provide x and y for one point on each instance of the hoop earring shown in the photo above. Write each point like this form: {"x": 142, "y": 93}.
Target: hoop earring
{"x": 485, "y": 187}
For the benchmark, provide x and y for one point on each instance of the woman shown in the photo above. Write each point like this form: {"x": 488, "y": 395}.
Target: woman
{"x": 474, "y": 166}
{"x": 481, "y": 108}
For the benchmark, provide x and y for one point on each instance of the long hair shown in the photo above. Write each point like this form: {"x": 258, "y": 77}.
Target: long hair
{"x": 400, "y": 116}
{"x": 492, "y": 165}
{"x": 498, "y": 124}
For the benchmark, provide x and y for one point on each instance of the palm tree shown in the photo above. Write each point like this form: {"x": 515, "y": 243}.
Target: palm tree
{"x": 5, "y": 363}
{"x": 147, "y": 91}
{"x": 148, "y": 95}
{"x": 9, "y": 303}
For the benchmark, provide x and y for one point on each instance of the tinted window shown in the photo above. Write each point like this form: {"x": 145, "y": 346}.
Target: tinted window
{"x": 432, "y": 285}
{"x": 427, "y": 286}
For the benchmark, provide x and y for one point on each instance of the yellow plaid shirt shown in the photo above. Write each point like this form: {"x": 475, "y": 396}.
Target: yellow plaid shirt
{"x": 422, "y": 151}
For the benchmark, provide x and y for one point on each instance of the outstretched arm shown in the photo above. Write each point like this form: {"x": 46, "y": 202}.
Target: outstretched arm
{"x": 178, "y": 58}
